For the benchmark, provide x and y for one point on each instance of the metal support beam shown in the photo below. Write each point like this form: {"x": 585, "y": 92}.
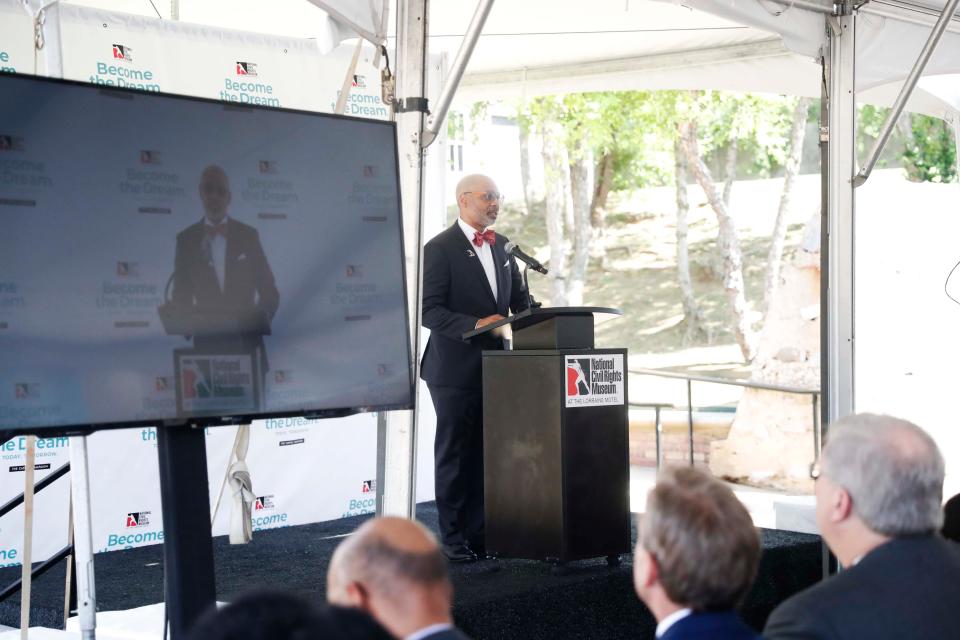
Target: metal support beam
{"x": 83, "y": 537}
{"x": 838, "y": 314}
{"x": 906, "y": 91}
{"x": 452, "y": 82}
{"x": 399, "y": 431}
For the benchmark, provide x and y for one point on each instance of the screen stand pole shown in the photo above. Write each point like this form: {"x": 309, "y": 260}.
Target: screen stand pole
{"x": 83, "y": 537}
{"x": 187, "y": 545}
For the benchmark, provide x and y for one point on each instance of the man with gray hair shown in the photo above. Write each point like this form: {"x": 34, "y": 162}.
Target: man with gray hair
{"x": 879, "y": 491}
{"x": 392, "y": 568}
{"x": 696, "y": 557}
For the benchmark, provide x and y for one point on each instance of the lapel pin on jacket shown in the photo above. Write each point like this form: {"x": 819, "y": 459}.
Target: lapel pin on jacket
{"x": 470, "y": 253}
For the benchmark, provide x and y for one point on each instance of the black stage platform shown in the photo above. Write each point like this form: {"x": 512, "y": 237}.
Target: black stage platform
{"x": 494, "y": 599}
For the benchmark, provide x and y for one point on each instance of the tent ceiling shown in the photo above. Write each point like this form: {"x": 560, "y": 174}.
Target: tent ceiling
{"x": 553, "y": 46}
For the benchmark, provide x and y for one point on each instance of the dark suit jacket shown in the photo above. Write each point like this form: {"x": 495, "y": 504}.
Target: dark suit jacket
{"x": 240, "y": 314}
{"x": 906, "y": 588}
{"x": 456, "y": 294}
{"x": 710, "y": 625}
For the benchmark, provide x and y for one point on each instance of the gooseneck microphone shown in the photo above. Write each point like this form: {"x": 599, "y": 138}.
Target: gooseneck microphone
{"x": 512, "y": 249}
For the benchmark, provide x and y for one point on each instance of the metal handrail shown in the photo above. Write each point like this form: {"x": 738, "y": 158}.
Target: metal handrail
{"x": 690, "y": 379}
{"x": 16, "y": 501}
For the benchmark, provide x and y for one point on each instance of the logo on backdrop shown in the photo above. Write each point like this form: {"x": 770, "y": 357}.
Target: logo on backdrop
{"x": 137, "y": 519}
{"x": 594, "y": 380}
{"x": 26, "y": 390}
{"x": 246, "y": 69}
{"x": 283, "y": 376}
{"x": 360, "y": 82}
{"x": 267, "y": 166}
{"x": 384, "y": 369}
{"x": 370, "y": 171}
{"x": 10, "y": 142}
{"x": 354, "y": 271}
{"x": 149, "y": 156}
{"x": 369, "y": 486}
{"x": 123, "y": 52}
{"x": 128, "y": 269}
{"x": 263, "y": 503}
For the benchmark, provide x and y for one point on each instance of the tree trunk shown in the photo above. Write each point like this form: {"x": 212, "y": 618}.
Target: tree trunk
{"x": 525, "y": 168}
{"x": 727, "y": 242}
{"x": 598, "y": 206}
{"x": 790, "y": 171}
{"x": 692, "y": 316}
{"x": 730, "y": 169}
{"x": 564, "y": 157}
{"x": 581, "y": 190}
{"x": 554, "y": 168}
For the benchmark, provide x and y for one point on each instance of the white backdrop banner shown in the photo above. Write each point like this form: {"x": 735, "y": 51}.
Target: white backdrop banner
{"x": 16, "y": 38}
{"x": 303, "y": 471}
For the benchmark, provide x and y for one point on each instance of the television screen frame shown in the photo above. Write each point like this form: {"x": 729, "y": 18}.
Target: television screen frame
{"x": 239, "y": 418}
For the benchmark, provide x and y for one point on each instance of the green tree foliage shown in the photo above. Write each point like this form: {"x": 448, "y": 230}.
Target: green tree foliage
{"x": 931, "y": 154}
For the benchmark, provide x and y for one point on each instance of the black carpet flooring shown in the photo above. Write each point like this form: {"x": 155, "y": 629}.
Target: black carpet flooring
{"x": 494, "y": 599}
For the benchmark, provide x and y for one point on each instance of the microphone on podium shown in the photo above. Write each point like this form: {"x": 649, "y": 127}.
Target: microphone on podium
{"x": 512, "y": 249}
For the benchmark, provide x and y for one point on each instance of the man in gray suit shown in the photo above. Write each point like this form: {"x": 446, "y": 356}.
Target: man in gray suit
{"x": 879, "y": 492}
{"x": 393, "y": 569}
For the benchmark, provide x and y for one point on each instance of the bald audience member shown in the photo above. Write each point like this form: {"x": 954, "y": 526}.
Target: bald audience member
{"x": 392, "y": 568}
{"x": 879, "y": 491}
{"x": 696, "y": 557}
{"x": 469, "y": 281}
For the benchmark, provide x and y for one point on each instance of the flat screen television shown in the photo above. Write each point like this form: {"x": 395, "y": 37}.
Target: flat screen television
{"x": 166, "y": 259}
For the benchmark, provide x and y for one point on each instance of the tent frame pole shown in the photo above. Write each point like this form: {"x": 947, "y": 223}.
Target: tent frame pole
{"x": 452, "y": 82}
{"x": 906, "y": 91}
{"x": 837, "y": 282}
{"x": 398, "y": 430}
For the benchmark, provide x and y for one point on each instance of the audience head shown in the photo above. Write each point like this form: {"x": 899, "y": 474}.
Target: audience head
{"x": 271, "y": 615}
{"x": 696, "y": 547}
{"x": 880, "y": 478}
{"x": 951, "y": 519}
{"x": 393, "y": 569}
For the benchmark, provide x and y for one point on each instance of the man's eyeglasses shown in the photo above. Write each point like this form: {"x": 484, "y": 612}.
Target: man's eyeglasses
{"x": 488, "y": 196}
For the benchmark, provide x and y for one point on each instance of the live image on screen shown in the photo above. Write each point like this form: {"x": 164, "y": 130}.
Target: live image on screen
{"x": 167, "y": 258}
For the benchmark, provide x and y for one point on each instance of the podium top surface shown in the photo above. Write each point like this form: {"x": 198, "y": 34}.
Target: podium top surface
{"x": 529, "y": 317}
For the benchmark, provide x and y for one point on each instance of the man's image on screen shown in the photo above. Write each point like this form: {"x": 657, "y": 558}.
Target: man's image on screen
{"x": 222, "y": 281}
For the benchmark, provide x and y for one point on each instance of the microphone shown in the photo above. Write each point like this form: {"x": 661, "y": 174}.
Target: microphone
{"x": 512, "y": 249}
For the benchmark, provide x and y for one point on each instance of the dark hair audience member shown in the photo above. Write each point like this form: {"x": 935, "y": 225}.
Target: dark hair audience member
{"x": 269, "y": 615}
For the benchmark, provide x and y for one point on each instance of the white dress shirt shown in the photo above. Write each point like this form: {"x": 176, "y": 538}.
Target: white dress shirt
{"x": 671, "y": 620}
{"x": 218, "y": 251}
{"x": 428, "y": 631}
{"x": 485, "y": 252}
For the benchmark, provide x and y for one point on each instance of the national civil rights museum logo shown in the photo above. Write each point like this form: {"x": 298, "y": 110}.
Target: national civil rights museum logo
{"x": 267, "y": 167}
{"x": 150, "y": 156}
{"x": 246, "y": 69}
{"x": 137, "y": 519}
{"x": 122, "y": 52}
{"x": 370, "y": 171}
{"x": 359, "y": 82}
{"x": 127, "y": 269}
{"x": 594, "y": 380}
{"x": 10, "y": 142}
{"x": 354, "y": 271}
{"x": 263, "y": 503}
{"x": 210, "y": 383}
{"x": 283, "y": 376}
{"x": 26, "y": 391}
{"x": 369, "y": 486}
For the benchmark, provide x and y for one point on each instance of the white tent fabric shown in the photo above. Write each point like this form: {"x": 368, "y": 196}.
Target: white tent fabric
{"x": 368, "y": 18}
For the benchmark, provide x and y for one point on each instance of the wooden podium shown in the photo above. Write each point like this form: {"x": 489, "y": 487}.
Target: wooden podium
{"x": 556, "y": 467}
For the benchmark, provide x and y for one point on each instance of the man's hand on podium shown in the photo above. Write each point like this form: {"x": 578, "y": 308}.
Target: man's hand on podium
{"x": 482, "y": 322}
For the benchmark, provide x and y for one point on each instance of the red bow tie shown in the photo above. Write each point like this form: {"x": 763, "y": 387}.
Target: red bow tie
{"x": 487, "y": 236}
{"x": 214, "y": 230}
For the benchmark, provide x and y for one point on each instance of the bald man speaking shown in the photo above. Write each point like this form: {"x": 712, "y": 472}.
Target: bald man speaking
{"x": 468, "y": 281}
